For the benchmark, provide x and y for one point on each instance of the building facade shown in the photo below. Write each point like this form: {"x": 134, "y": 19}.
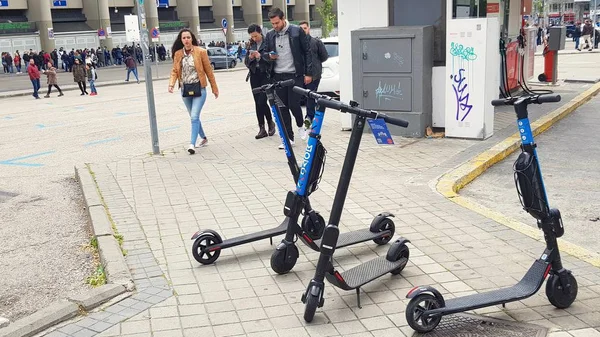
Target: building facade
{"x": 570, "y": 11}
{"x": 49, "y": 24}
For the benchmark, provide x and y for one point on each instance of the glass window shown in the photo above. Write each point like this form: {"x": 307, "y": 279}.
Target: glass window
{"x": 469, "y": 8}
{"x": 332, "y": 49}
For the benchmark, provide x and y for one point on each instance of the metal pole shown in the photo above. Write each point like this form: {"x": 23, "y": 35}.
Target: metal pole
{"x": 156, "y": 59}
{"x": 594, "y": 24}
{"x": 144, "y": 41}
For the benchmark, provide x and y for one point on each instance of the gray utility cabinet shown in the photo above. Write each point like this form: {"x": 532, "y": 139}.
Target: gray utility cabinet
{"x": 391, "y": 69}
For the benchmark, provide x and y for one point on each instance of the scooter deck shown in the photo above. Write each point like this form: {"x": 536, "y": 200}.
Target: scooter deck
{"x": 529, "y": 285}
{"x": 354, "y": 237}
{"x": 265, "y": 234}
{"x": 364, "y": 273}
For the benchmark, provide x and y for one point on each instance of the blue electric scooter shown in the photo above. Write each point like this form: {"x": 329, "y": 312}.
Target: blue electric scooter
{"x": 427, "y": 305}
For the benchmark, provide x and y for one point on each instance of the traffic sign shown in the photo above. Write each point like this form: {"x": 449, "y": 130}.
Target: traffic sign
{"x": 101, "y": 34}
{"x": 155, "y": 33}
{"x": 224, "y": 23}
{"x": 3, "y": 3}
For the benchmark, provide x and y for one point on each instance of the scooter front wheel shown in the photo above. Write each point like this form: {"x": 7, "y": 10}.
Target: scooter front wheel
{"x": 284, "y": 260}
{"x": 200, "y": 244}
{"x": 311, "y": 304}
{"x": 556, "y": 293}
{"x": 415, "y": 310}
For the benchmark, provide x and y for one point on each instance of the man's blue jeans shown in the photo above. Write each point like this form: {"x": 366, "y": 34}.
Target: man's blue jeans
{"x": 310, "y": 103}
{"x": 36, "y": 87}
{"x": 135, "y": 73}
{"x": 194, "y": 107}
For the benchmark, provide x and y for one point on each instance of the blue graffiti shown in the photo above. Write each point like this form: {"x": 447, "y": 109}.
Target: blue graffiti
{"x": 465, "y": 53}
{"x": 461, "y": 91}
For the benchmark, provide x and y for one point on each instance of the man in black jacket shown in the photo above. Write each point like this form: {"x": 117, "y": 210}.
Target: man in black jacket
{"x": 319, "y": 55}
{"x": 288, "y": 51}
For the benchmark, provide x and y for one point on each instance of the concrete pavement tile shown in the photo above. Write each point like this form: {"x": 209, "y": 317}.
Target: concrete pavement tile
{"x": 86, "y": 333}
{"x": 379, "y": 297}
{"x": 228, "y": 330}
{"x": 560, "y": 334}
{"x": 279, "y": 310}
{"x": 285, "y": 322}
{"x": 242, "y": 293}
{"x": 257, "y": 325}
{"x": 129, "y": 327}
{"x": 168, "y": 333}
{"x": 263, "y": 334}
{"x": 430, "y": 268}
{"x": 100, "y": 326}
{"x": 545, "y": 323}
{"x": 195, "y": 332}
{"x": 192, "y": 309}
{"x": 223, "y": 318}
{"x": 168, "y": 323}
{"x": 161, "y": 312}
{"x": 247, "y": 303}
{"x": 592, "y": 318}
{"x": 295, "y": 332}
{"x": 585, "y": 333}
{"x": 456, "y": 286}
{"x": 322, "y": 330}
{"x": 114, "y": 318}
{"x": 114, "y": 330}
{"x": 346, "y": 328}
{"x": 219, "y": 306}
{"x": 388, "y": 332}
{"x": 272, "y": 300}
{"x": 142, "y": 334}
{"x": 190, "y": 299}
{"x": 341, "y": 315}
{"x": 376, "y": 323}
{"x": 367, "y": 311}
{"x": 70, "y": 329}
{"x": 251, "y": 314}
{"x": 56, "y": 334}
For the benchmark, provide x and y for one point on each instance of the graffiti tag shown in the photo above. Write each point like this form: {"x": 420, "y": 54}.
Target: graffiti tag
{"x": 387, "y": 92}
{"x": 461, "y": 92}
{"x": 465, "y": 53}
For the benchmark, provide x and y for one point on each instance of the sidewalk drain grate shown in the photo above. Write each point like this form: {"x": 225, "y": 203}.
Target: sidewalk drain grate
{"x": 466, "y": 325}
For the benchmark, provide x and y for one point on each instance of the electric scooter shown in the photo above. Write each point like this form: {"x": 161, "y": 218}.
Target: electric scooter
{"x": 354, "y": 278}
{"x": 381, "y": 229}
{"x": 427, "y": 305}
{"x": 208, "y": 244}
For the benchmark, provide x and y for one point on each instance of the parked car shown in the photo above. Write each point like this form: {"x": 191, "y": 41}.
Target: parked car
{"x": 219, "y": 58}
{"x": 330, "y": 77}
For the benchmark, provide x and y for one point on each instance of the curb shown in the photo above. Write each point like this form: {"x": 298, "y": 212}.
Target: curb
{"x": 71, "y": 87}
{"x": 453, "y": 181}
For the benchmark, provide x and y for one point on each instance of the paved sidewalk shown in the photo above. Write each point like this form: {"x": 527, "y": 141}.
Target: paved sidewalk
{"x": 238, "y": 185}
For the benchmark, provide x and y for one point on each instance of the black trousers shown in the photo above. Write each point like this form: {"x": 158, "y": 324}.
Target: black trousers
{"x": 82, "y": 87}
{"x": 50, "y": 88}
{"x": 260, "y": 100}
{"x": 292, "y": 102}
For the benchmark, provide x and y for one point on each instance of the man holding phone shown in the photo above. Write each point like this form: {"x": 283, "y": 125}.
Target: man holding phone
{"x": 289, "y": 51}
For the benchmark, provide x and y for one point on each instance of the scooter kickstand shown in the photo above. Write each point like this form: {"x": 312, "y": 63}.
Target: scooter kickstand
{"x": 358, "y": 297}
{"x": 271, "y": 240}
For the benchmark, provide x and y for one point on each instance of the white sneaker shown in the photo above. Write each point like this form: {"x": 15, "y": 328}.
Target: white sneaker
{"x": 302, "y": 132}
{"x": 191, "y": 149}
{"x": 281, "y": 147}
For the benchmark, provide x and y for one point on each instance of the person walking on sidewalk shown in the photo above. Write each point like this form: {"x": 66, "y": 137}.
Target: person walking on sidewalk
{"x": 34, "y": 76}
{"x": 289, "y": 51}
{"x": 91, "y": 76}
{"x": 17, "y": 60}
{"x": 79, "y": 76}
{"x": 131, "y": 68}
{"x": 258, "y": 74}
{"x": 319, "y": 55}
{"x": 52, "y": 80}
{"x": 191, "y": 68}
{"x": 586, "y": 33}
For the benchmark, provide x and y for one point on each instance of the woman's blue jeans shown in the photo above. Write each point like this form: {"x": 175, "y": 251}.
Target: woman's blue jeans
{"x": 194, "y": 107}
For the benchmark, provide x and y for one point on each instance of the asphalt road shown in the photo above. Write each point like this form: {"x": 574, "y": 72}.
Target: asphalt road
{"x": 43, "y": 223}
{"x": 569, "y": 157}
{"x": 10, "y": 82}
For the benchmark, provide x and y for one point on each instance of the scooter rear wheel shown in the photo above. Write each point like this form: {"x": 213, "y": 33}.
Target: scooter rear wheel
{"x": 397, "y": 251}
{"x": 313, "y": 230}
{"x": 415, "y": 309}
{"x": 203, "y": 241}
{"x": 556, "y": 294}
{"x": 383, "y": 225}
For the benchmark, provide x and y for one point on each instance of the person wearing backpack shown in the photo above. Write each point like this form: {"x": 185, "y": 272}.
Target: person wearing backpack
{"x": 131, "y": 68}
{"x": 92, "y": 76}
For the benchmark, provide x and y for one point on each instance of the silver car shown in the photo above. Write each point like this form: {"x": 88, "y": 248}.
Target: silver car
{"x": 219, "y": 58}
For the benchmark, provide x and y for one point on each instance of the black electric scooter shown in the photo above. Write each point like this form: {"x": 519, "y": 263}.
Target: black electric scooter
{"x": 354, "y": 278}
{"x": 427, "y": 305}
{"x": 208, "y": 244}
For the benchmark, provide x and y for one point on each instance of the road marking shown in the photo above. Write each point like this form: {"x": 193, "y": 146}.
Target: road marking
{"x": 14, "y": 161}
{"x": 119, "y": 114}
{"x": 169, "y": 129}
{"x": 8, "y": 117}
{"x": 214, "y": 120}
{"x": 102, "y": 141}
{"x": 44, "y": 126}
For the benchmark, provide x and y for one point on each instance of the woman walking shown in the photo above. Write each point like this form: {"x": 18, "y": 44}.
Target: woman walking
{"x": 79, "y": 73}
{"x": 191, "y": 67}
{"x": 52, "y": 80}
{"x": 258, "y": 73}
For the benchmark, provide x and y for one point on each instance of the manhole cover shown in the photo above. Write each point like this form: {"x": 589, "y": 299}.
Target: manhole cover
{"x": 465, "y": 325}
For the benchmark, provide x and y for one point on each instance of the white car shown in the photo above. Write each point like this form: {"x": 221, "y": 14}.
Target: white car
{"x": 330, "y": 78}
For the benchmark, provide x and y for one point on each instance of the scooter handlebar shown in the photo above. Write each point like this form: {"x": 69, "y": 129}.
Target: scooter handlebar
{"x": 395, "y": 121}
{"x": 308, "y": 93}
{"x": 276, "y": 85}
{"x": 536, "y": 99}
{"x": 337, "y": 105}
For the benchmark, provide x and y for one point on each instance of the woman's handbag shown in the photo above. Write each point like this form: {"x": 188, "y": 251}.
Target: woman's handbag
{"x": 192, "y": 90}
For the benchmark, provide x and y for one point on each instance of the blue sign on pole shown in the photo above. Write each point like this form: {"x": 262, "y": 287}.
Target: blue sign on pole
{"x": 263, "y": 2}
{"x": 59, "y": 3}
{"x": 155, "y": 33}
{"x": 381, "y": 132}
{"x": 3, "y": 3}
{"x": 224, "y": 23}
{"x": 163, "y": 3}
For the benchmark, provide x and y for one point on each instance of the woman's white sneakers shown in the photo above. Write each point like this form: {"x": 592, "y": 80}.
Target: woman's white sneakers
{"x": 191, "y": 149}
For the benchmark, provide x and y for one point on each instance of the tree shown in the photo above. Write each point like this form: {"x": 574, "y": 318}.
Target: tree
{"x": 327, "y": 17}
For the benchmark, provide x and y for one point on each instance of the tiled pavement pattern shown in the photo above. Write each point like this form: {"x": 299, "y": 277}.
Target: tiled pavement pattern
{"x": 237, "y": 185}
